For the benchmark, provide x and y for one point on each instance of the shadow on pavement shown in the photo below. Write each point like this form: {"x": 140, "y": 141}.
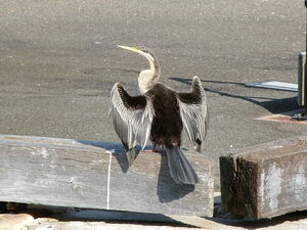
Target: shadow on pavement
{"x": 271, "y": 104}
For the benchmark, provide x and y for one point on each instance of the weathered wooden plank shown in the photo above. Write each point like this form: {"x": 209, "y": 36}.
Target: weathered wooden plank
{"x": 267, "y": 180}
{"x": 85, "y": 174}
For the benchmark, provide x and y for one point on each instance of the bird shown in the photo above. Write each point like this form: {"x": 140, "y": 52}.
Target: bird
{"x": 160, "y": 115}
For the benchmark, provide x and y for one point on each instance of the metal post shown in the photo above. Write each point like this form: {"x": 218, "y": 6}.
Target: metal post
{"x": 305, "y": 66}
{"x": 303, "y": 90}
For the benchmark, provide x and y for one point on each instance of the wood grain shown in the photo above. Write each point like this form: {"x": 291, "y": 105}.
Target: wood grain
{"x": 267, "y": 180}
{"x": 87, "y": 174}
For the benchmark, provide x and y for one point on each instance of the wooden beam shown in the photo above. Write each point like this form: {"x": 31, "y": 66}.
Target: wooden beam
{"x": 267, "y": 180}
{"x": 87, "y": 174}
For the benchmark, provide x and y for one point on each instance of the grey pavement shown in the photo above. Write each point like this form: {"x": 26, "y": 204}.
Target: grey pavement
{"x": 59, "y": 60}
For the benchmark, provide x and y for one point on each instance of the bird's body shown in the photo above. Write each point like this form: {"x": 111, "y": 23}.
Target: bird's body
{"x": 160, "y": 114}
{"x": 166, "y": 126}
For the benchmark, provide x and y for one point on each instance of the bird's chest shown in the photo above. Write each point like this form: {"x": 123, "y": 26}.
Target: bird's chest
{"x": 164, "y": 103}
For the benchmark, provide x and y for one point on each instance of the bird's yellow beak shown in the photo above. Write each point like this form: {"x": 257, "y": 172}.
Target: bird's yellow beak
{"x": 133, "y": 49}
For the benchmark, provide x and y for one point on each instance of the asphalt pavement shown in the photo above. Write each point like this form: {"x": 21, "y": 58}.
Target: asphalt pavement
{"x": 59, "y": 61}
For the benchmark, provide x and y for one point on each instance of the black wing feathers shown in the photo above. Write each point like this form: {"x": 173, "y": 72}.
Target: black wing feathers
{"x": 193, "y": 97}
{"x": 131, "y": 102}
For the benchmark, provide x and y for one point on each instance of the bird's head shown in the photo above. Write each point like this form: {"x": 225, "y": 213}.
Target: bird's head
{"x": 145, "y": 52}
{"x": 149, "y": 77}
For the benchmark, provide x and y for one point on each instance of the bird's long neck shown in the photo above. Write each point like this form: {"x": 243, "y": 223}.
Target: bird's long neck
{"x": 155, "y": 67}
{"x": 148, "y": 78}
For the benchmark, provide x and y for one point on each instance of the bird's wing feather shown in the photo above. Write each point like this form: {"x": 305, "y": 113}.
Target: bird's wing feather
{"x": 132, "y": 117}
{"x": 194, "y": 112}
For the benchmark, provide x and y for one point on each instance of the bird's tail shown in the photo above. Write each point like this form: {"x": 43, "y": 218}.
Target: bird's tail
{"x": 179, "y": 167}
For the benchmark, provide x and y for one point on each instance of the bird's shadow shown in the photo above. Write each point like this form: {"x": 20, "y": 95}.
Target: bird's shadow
{"x": 273, "y": 105}
{"x": 167, "y": 189}
{"x": 116, "y": 149}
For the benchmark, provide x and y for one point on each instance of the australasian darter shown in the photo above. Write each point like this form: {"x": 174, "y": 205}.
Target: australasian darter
{"x": 160, "y": 114}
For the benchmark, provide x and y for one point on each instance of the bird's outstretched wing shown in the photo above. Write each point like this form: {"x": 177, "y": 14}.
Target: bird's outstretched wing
{"x": 194, "y": 113}
{"x": 132, "y": 119}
